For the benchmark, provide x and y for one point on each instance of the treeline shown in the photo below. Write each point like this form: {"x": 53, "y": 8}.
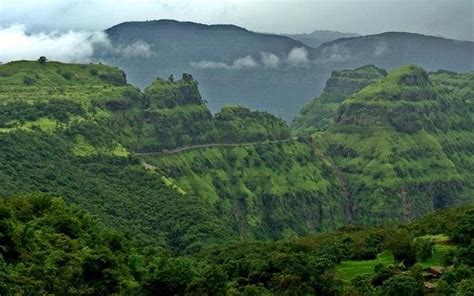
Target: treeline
{"x": 49, "y": 247}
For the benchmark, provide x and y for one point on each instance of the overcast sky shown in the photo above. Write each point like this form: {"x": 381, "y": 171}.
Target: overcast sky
{"x": 449, "y": 18}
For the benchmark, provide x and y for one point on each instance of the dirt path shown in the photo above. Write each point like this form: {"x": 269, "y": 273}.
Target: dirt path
{"x": 186, "y": 148}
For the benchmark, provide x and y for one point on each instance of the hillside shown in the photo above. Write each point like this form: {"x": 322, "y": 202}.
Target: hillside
{"x": 266, "y": 72}
{"x": 399, "y": 147}
{"x": 319, "y": 114}
{"x": 89, "y": 129}
{"x": 404, "y": 144}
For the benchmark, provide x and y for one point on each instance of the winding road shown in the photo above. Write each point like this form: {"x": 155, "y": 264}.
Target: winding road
{"x": 186, "y": 148}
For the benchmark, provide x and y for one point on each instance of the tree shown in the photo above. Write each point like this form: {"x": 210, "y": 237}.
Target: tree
{"x": 171, "y": 78}
{"x": 423, "y": 248}
{"x": 187, "y": 77}
{"x": 42, "y": 60}
{"x": 400, "y": 243}
{"x": 401, "y": 285}
{"x": 464, "y": 230}
{"x": 361, "y": 284}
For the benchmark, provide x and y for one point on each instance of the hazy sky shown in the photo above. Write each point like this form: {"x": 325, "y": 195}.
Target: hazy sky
{"x": 449, "y": 18}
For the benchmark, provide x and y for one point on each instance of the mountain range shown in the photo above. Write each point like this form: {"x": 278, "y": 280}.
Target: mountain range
{"x": 264, "y": 71}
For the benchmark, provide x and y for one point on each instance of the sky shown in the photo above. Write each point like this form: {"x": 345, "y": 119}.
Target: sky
{"x": 447, "y": 18}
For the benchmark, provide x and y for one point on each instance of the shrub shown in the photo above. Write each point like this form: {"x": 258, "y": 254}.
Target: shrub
{"x": 402, "y": 285}
{"x": 115, "y": 78}
{"x": 423, "y": 248}
{"x": 67, "y": 76}
{"x": 28, "y": 80}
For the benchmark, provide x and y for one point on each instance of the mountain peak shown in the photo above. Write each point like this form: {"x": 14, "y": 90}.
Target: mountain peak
{"x": 409, "y": 75}
{"x": 175, "y": 24}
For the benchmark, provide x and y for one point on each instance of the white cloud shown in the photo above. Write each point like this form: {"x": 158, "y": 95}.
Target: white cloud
{"x": 72, "y": 46}
{"x": 269, "y": 60}
{"x": 239, "y": 63}
{"x": 137, "y": 49}
{"x": 334, "y": 54}
{"x": 209, "y": 65}
{"x": 380, "y": 48}
{"x": 244, "y": 62}
{"x": 298, "y": 56}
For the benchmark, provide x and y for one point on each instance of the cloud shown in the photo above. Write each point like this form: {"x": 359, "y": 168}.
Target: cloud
{"x": 335, "y": 53}
{"x": 269, "y": 60}
{"x": 380, "y": 48}
{"x": 239, "y": 63}
{"x": 298, "y": 56}
{"x": 244, "y": 62}
{"x": 210, "y": 65}
{"x": 71, "y": 46}
{"x": 136, "y": 50}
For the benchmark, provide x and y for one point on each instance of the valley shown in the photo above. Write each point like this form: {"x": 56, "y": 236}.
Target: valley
{"x": 176, "y": 187}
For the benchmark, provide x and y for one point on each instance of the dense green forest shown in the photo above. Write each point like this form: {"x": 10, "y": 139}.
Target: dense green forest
{"x": 107, "y": 189}
{"x": 49, "y": 247}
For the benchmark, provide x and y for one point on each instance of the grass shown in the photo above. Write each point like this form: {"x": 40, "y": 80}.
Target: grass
{"x": 350, "y": 268}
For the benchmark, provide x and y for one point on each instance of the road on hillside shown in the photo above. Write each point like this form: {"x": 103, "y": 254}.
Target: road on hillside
{"x": 186, "y": 148}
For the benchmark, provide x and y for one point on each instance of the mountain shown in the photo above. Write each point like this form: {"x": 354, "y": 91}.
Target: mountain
{"x": 393, "y": 49}
{"x": 119, "y": 153}
{"x": 404, "y": 144}
{"x": 396, "y": 146}
{"x": 263, "y": 71}
{"x": 318, "y": 37}
{"x": 105, "y": 188}
{"x": 319, "y": 114}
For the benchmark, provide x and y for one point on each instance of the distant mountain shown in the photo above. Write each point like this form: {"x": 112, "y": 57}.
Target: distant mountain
{"x": 391, "y": 49}
{"x": 264, "y": 71}
{"x": 318, "y": 37}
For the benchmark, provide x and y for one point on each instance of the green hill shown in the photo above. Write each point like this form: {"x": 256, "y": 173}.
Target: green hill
{"x": 404, "y": 144}
{"x": 400, "y": 146}
{"x": 76, "y": 138}
{"x": 319, "y": 114}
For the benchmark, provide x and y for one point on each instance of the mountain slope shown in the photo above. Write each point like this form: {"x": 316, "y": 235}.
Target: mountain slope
{"x": 393, "y": 49}
{"x": 77, "y": 138}
{"x": 399, "y": 147}
{"x": 319, "y": 114}
{"x": 399, "y": 142}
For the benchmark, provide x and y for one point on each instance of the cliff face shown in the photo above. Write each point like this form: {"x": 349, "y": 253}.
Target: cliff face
{"x": 399, "y": 141}
{"x": 264, "y": 191}
{"x": 319, "y": 114}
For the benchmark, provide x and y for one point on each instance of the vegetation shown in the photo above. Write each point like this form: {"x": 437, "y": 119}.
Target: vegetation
{"x": 395, "y": 138}
{"x": 238, "y": 218}
{"x": 48, "y": 247}
{"x": 320, "y": 113}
